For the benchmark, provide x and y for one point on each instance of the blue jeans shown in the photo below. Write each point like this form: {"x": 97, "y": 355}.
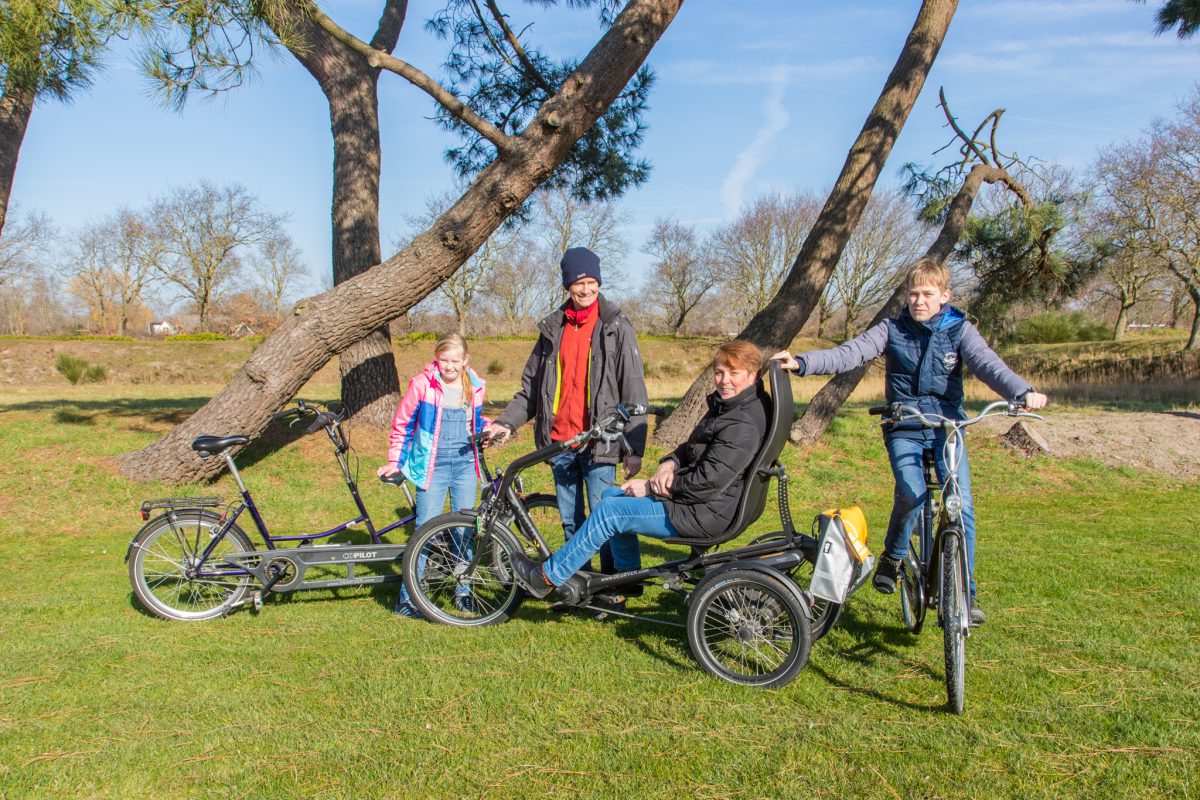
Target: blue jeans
{"x": 906, "y": 457}
{"x": 453, "y": 473}
{"x": 575, "y": 474}
{"x": 616, "y": 520}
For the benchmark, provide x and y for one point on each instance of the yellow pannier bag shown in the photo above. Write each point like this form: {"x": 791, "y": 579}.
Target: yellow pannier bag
{"x": 854, "y": 528}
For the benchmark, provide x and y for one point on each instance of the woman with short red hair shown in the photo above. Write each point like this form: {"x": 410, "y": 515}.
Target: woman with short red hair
{"x": 695, "y": 491}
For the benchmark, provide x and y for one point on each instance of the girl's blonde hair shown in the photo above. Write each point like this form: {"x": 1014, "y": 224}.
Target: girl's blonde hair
{"x": 450, "y": 341}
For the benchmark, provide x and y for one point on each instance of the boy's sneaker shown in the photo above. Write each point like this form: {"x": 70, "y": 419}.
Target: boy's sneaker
{"x": 885, "y": 575}
{"x": 464, "y": 604}
{"x": 977, "y": 616}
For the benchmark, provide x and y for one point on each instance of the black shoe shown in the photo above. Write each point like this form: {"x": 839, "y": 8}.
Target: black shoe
{"x": 529, "y": 575}
{"x": 465, "y": 604}
{"x": 977, "y": 616}
{"x": 885, "y": 575}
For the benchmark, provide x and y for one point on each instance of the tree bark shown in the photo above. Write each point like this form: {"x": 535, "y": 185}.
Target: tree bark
{"x": 1121, "y": 327}
{"x": 16, "y": 106}
{"x": 825, "y": 403}
{"x": 1193, "y": 342}
{"x": 329, "y": 323}
{"x": 370, "y": 385}
{"x": 778, "y": 323}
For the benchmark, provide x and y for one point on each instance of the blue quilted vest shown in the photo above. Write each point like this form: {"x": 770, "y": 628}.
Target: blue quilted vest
{"x": 924, "y": 368}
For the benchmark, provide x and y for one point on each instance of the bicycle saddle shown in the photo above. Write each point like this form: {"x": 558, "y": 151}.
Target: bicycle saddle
{"x": 214, "y": 445}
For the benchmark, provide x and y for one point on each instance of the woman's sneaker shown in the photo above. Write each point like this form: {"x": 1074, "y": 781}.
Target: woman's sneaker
{"x": 406, "y": 609}
{"x": 885, "y": 575}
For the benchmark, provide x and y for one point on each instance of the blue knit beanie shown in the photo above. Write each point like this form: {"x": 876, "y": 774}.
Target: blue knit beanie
{"x": 578, "y": 263}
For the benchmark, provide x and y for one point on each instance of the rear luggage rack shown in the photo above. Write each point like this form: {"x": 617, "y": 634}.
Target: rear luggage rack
{"x": 207, "y": 501}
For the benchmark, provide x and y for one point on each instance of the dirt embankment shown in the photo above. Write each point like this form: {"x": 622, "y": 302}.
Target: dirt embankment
{"x": 1166, "y": 442}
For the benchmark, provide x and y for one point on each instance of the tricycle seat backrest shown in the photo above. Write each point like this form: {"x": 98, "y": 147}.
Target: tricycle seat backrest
{"x": 757, "y": 486}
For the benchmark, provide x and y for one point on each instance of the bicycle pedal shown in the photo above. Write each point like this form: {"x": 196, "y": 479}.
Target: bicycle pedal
{"x": 257, "y": 601}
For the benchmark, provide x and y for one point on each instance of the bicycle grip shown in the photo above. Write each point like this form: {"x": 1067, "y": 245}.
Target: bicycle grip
{"x": 321, "y": 420}
{"x": 287, "y": 412}
{"x": 878, "y": 411}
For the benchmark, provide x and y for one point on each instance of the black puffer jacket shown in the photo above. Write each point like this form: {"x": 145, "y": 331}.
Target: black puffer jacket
{"x": 714, "y": 460}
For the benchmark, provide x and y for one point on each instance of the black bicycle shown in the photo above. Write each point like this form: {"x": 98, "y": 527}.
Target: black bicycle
{"x": 934, "y": 573}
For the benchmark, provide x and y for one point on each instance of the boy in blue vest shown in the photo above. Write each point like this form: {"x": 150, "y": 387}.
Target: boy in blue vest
{"x": 925, "y": 347}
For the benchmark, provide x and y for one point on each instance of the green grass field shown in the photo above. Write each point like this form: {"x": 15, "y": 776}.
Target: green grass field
{"x": 1084, "y": 682}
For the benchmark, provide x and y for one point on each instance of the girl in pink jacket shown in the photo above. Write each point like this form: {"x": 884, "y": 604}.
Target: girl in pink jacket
{"x": 441, "y": 409}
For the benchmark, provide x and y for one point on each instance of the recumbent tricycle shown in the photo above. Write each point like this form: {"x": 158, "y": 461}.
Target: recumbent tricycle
{"x": 750, "y": 618}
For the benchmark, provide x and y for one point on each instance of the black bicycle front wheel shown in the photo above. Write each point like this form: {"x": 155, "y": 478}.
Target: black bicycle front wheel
{"x": 955, "y": 613}
{"x": 456, "y": 577}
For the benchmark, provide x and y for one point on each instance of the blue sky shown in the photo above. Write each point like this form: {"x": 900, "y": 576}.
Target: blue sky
{"x": 751, "y": 97}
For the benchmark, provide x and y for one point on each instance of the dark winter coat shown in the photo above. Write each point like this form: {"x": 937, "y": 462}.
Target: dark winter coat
{"x": 714, "y": 460}
{"x": 924, "y": 364}
{"x": 614, "y": 376}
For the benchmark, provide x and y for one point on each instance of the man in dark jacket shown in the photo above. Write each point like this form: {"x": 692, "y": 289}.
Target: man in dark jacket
{"x": 695, "y": 491}
{"x": 925, "y": 348}
{"x": 585, "y": 362}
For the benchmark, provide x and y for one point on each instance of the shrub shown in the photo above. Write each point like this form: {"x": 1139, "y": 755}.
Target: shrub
{"x": 77, "y": 370}
{"x": 495, "y": 367}
{"x": 671, "y": 369}
{"x": 197, "y": 337}
{"x": 1053, "y": 327}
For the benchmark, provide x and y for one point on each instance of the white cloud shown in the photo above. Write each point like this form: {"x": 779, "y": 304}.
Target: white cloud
{"x": 775, "y": 119}
{"x": 1029, "y": 10}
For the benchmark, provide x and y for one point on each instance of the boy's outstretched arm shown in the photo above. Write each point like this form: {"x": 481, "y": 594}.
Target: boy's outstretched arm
{"x": 991, "y": 369}
{"x": 862, "y": 348}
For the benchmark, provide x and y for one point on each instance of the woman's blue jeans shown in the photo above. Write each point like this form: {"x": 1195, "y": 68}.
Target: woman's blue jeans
{"x": 453, "y": 474}
{"x": 907, "y": 459}
{"x": 616, "y": 520}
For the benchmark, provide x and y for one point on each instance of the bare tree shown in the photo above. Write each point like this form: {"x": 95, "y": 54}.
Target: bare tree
{"x": 23, "y": 244}
{"x": 205, "y": 233}
{"x": 776, "y": 325}
{"x": 277, "y": 265}
{"x": 329, "y": 323}
{"x": 1129, "y": 272}
{"x": 752, "y": 254}
{"x": 1152, "y": 187}
{"x": 871, "y": 265}
{"x": 512, "y": 289}
{"x": 683, "y": 272}
{"x": 114, "y": 262}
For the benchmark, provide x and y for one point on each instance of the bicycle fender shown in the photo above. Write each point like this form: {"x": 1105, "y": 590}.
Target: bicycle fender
{"x": 766, "y": 567}
{"x": 202, "y": 512}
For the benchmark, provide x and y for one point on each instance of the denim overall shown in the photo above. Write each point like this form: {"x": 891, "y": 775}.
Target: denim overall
{"x": 453, "y": 472}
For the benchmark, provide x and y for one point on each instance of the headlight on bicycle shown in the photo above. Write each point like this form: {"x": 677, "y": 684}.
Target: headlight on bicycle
{"x": 954, "y": 507}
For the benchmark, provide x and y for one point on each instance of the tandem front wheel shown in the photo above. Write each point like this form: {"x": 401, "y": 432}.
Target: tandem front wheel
{"x": 748, "y": 627}
{"x": 457, "y": 577}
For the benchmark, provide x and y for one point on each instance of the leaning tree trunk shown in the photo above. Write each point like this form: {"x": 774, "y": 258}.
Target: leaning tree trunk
{"x": 16, "y": 105}
{"x": 776, "y": 325}
{"x": 1121, "y": 327}
{"x": 327, "y": 324}
{"x": 825, "y": 403}
{"x": 370, "y": 387}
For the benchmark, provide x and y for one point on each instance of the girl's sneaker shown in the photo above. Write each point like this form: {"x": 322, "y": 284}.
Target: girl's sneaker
{"x": 406, "y": 609}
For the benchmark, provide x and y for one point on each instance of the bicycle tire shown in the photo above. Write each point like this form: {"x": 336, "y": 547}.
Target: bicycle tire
{"x": 748, "y": 628}
{"x": 435, "y": 564}
{"x": 166, "y": 549}
{"x": 543, "y": 509}
{"x": 955, "y": 619}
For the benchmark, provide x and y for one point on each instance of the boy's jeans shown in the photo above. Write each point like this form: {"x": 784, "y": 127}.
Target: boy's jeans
{"x": 575, "y": 473}
{"x": 615, "y": 521}
{"x": 906, "y": 458}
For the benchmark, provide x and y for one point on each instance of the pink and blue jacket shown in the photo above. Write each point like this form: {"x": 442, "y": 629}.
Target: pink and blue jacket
{"x": 418, "y": 423}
